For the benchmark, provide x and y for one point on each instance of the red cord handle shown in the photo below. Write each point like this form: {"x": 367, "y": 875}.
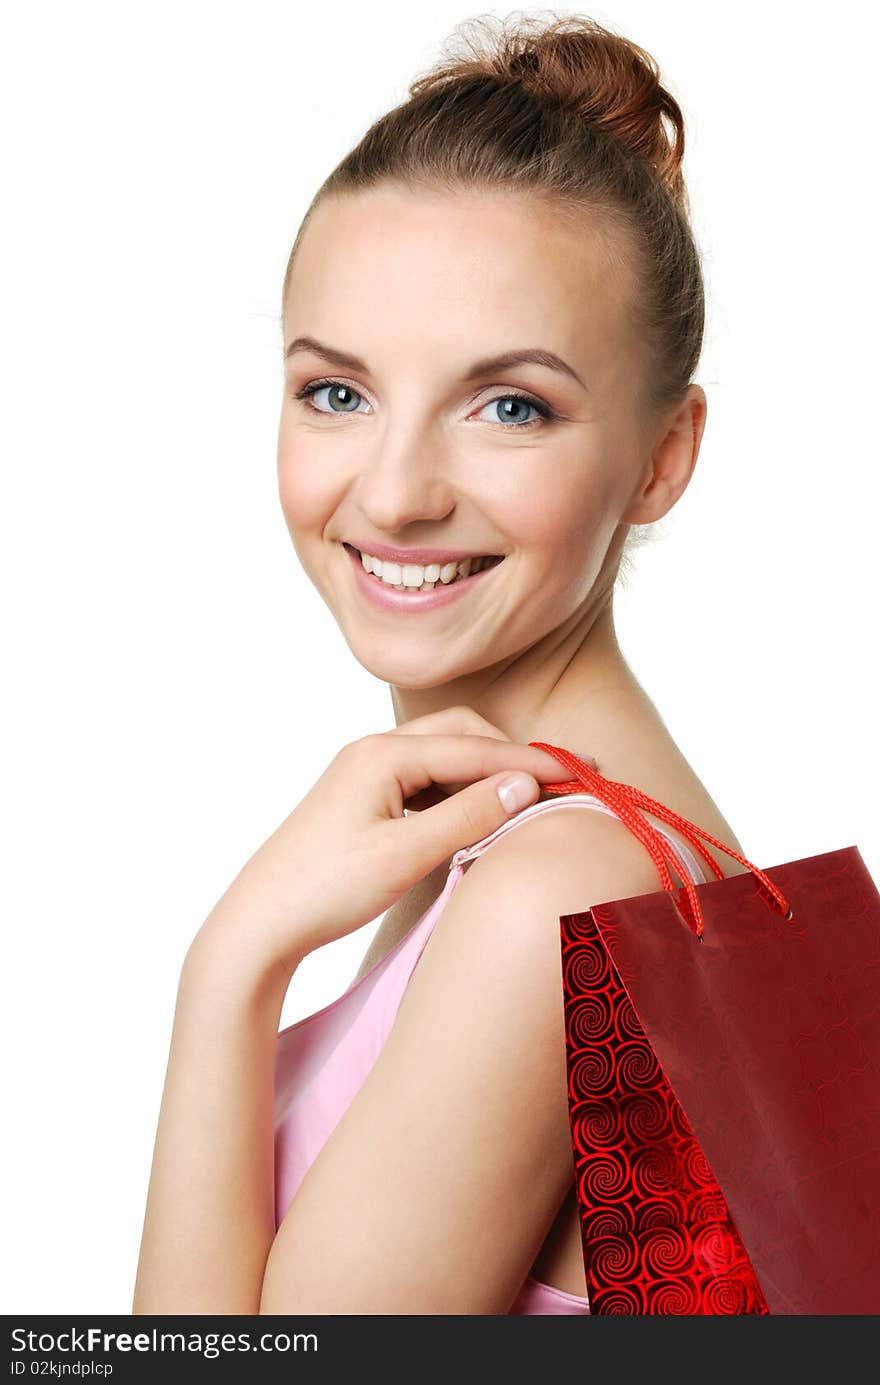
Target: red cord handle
{"x": 626, "y": 801}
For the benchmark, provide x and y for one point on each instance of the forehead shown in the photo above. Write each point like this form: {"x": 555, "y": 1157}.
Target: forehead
{"x": 462, "y": 268}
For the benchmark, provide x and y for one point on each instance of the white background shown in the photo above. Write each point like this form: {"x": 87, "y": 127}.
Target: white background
{"x": 173, "y": 684}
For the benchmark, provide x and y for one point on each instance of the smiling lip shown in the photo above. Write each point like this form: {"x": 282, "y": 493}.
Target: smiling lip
{"x": 421, "y": 556}
{"x": 384, "y": 597}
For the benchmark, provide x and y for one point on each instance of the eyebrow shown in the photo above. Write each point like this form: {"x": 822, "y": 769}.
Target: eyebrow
{"x": 534, "y": 355}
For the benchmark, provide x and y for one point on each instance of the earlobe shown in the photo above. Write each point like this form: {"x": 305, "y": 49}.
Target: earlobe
{"x": 672, "y": 460}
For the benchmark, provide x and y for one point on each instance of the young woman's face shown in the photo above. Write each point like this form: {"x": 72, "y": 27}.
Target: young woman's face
{"x": 412, "y": 434}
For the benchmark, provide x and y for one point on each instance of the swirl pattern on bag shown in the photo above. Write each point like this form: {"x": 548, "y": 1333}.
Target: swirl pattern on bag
{"x": 657, "y": 1234}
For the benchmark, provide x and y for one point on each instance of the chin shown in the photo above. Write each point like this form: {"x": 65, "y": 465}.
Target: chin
{"x": 400, "y": 673}
{"x": 414, "y": 666}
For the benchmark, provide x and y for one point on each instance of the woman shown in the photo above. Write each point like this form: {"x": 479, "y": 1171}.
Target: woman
{"x": 492, "y": 314}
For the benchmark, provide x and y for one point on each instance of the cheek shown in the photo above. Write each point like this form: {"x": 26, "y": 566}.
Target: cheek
{"x": 305, "y": 488}
{"x": 562, "y": 525}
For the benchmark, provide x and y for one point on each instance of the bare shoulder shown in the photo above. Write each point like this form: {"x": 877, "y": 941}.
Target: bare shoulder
{"x": 493, "y": 958}
{"x": 553, "y": 863}
{"x": 501, "y": 922}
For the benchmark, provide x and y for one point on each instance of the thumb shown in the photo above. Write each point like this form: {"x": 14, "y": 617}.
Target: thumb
{"x": 470, "y": 815}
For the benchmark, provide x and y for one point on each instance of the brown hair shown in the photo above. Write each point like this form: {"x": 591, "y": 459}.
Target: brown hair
{"x": 571, "y": 111}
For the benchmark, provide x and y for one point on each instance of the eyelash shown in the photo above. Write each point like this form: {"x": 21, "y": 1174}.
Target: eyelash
{"x": 543, "y": 410}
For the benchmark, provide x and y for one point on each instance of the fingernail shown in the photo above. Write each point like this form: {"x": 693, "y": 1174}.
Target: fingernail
{"x": 516, "y": 792}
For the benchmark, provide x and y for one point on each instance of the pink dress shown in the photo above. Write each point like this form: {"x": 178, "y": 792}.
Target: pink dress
{"x": 322, "y": 1060}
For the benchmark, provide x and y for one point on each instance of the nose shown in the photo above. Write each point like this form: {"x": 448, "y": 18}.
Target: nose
{"x": 405, "y": 480}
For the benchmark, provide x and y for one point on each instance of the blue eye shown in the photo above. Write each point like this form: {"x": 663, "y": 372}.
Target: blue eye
{"x": 341, "y": 399}
{"x": 512, "y": 408}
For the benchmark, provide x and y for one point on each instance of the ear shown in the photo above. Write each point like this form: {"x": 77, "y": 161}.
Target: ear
{"x": 673, "y": 457}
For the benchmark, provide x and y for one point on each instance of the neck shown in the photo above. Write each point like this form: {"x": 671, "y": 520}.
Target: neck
{"x": 573, "y": 688}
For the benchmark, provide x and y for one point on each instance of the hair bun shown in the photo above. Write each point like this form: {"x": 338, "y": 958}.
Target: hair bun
{"x": 575, "y": 64}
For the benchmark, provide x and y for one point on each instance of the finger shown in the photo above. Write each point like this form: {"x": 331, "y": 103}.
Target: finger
{"x": 460, "y": 719}
{"x": 465, "y": 721}
{"x": 437, "y": 833}
{"x": 417, "y": 761}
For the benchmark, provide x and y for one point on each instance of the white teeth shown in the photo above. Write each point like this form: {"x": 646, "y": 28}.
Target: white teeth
{"x": 414, "y": 577}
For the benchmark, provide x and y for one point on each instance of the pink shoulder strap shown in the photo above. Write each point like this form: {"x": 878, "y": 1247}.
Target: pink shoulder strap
{"x": 572, "y": 800}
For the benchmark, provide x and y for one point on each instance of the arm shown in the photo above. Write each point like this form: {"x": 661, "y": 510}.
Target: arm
{"x": 437, "y": 1187}
{"x": 209, "y": 1221}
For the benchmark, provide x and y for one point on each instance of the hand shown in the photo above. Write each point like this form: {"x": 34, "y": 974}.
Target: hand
{"x": 347, "y": 852}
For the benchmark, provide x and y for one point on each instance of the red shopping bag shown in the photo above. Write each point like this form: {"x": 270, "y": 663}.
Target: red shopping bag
{"x": 723, "y": 1055}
